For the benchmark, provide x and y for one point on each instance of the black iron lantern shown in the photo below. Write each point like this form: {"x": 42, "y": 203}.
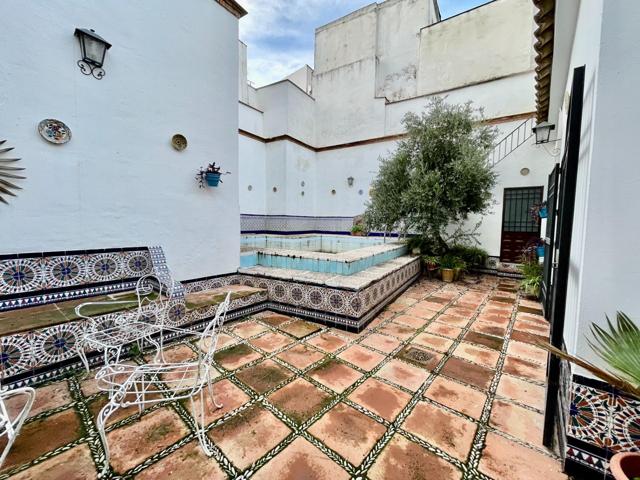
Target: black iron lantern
{"x": 543, "y": 132}
{"x": 93, "y": 48}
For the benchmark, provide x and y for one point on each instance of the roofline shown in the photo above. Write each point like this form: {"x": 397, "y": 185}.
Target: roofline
{"x": 233, "y": 7}
{"x": 457, "y": 14}
{"x": 544, "y": 34}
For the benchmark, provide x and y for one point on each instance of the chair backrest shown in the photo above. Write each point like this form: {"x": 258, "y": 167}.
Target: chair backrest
{"x": 210, "y": 333}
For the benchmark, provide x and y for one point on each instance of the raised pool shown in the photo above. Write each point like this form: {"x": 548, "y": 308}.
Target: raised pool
{"x": 338, "y": 254}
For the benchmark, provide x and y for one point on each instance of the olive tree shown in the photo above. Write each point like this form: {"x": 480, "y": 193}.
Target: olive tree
{"x": 438, "y": 175}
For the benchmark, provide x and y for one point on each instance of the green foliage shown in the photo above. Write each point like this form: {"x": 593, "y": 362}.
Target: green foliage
{"x": 472, "y": 256}
{"x": 438, "y": 175}
{"x": 449, "y": 261}
{"x": 619, "y": 346}
{"x": 357, "y": 229}
{"x": 531, "y": 269}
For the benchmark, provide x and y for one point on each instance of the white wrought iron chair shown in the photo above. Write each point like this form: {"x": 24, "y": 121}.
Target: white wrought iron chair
{"x": 128, "y": 327}
{"x": 11, "y": 426}
{"x": 165, "y": 381}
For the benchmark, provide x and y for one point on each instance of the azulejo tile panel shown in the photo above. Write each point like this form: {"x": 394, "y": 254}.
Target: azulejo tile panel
{"x": 291, "y": 223}
{"x": 24, "y": 275}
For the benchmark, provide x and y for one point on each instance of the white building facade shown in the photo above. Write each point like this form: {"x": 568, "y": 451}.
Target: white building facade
{"x": 310, "y": 145}
{"x": 119, "y": 182}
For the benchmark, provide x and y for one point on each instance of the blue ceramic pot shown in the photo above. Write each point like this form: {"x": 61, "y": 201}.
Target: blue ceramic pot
{"x": 213, "y": 179}
{"x": 543, "y": 212}
{"x": 540, "y": 251}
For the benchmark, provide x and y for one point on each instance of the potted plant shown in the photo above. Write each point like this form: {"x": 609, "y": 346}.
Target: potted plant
{"x": 211, "y": 175}
{"x": 539, "y": 210}
{"x": 357, "y": 230}
{"x": 447, "y": 265}
{"x": 531, "y": 270}
{"x": 431, "y": 263}
{"x": 460, "y": 266}
{"x": 617, "y": 345}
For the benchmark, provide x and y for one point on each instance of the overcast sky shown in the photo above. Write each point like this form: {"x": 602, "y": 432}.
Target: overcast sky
{"x": 280, "y": 33}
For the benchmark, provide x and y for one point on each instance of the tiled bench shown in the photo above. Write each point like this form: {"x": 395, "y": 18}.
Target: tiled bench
{"x": 39, "y": 328}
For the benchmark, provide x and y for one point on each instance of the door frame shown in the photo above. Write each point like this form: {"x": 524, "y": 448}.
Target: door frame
{"x": 504, "y": 209}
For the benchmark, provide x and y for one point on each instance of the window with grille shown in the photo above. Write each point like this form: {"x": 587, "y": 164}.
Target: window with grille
{"x": 517, "y": 209}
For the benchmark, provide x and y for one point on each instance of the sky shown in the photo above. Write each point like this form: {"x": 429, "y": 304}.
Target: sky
{"x": 280, "y": 33}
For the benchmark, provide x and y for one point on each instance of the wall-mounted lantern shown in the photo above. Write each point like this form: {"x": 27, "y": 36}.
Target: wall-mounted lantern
{"x": 543, "y": 132}
{"x": 350, "y": 181}
{"x": 93, "y": 48}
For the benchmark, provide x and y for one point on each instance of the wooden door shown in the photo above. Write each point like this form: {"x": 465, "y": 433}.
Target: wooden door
{"x": 519, "y": 228}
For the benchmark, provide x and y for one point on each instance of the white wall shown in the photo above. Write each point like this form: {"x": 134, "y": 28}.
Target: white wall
{"x": 605, "y": 270}
{"x": 119, "y": 182}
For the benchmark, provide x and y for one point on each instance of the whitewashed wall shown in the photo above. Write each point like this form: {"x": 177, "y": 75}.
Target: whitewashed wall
{"x": 173, "y": 68}
{"x": 605, "y": 270}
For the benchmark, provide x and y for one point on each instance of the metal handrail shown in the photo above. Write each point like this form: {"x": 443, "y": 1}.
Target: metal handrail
{"x": 511, "y": 141}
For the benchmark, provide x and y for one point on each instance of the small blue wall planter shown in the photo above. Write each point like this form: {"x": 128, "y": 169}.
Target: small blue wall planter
{"x": 213, "y": 179}
{"x": 543, "y": 212}
{"x": 540, "y": 251}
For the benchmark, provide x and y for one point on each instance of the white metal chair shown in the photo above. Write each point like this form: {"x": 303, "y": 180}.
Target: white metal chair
{"x": 11, "y": 426}
{"x": 128, "y": 326}
{"x": 130, "y": 384}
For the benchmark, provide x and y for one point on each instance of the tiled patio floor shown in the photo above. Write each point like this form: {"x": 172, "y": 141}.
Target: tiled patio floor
{"x": 444, "y": 384}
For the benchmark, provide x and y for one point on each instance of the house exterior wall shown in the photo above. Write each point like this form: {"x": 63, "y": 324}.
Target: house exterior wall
{"x": 361, "y": 93}
{"x": 118, "y": 182}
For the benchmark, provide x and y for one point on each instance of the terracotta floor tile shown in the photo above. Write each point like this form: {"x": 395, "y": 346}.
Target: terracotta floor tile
{"x": 410, "y": 321}
{"x": 248, "y": 328}
{"x": 74, "y": 464}
{"x": 444, "y": 329}
{"x": 439, "y": 344}
{"x": 535, "y": 319}
{"x": 454, "y": 320}
{"x": 299, "y": 461}
{"x": 503, "y": 459}
{"x": 273, "y": 319}
{"x": 381, "y": 342}
{"x": 300, "y": 328}
{"x": 177, "y": 354}
{"x": 517, "y": 421}
{"x": 300, "y": 400}
{"x": 270, "y": 342}
{"x": 300, "y": 356}
{"x": 542, "y": 330}
{"x": 96, "y": 405}
{"x": 420, "y": 356}
{"x": 460, "y": 312}
{"x": 527, "y": 352}
{"x": 403, "y": 374}
{"x": 470, "y": 373}
{"x": 347, "y": 431}
{"x": 447, "y": 431}
{"x": 380, "y": 398}
{"x": 327, "y": 342}
{"x": 524, "y": 369}
{"x": 395, "y": 330}
{"x": 236, "y": 356}
{"x": 41, "y": 436}
{"x": 249, "y": 435}
{"x": 133, "y": 443}
{"x": 420, "y": 312}
{"x": 402, "y": 459}
{"x": 186, "y": 462}
{"x": 530, "y": 338}
{"x": 459, "y": 397}
{"x": 47, "y": 398}
{"x": 433, "y": 306}
{"x": 264, "y": 375}
{"x": 524, "y": 392}
{"x": 495, "y": 319}
{"x": 482, "y": 356}
{"x": 488, "y": 328}
{"x": 483, "y": 339}
{"x": 361, "y": 357}
{"x": 531, "y": 310}
{"x": 227, "y": 394}
{"x": 224, "y": 340}
{"x": 335, "y": 375}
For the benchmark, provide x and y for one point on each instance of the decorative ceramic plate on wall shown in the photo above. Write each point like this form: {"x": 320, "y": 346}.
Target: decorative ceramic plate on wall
{"x": 54, "y": 131}
{"x": 179, "y": 142}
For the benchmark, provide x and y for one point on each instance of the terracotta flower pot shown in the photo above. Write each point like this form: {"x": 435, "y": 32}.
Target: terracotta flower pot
{"x": 625, "y": 466}
{"x": 447, "y": 274}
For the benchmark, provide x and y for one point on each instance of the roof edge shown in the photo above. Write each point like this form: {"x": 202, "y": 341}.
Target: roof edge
{"x": 233, "y": 7}
{"x": 544, "y": 34}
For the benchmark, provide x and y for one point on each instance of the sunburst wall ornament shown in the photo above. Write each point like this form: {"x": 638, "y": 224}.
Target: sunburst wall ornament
{"x": 7, "y": 173}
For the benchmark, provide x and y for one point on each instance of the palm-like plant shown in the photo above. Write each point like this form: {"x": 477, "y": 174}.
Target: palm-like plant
{"x": 619, "y": 347}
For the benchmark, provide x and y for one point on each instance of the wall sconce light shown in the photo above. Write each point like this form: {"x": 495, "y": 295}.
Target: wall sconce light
{"x": 93, "y": 48}
{"x": 543, "y": 131}
{"x": 350, "y": 181}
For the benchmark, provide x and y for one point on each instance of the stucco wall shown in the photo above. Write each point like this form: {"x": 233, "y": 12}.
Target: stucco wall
{"x": 119, "y": 182}
{"x": 486, "y": 43}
